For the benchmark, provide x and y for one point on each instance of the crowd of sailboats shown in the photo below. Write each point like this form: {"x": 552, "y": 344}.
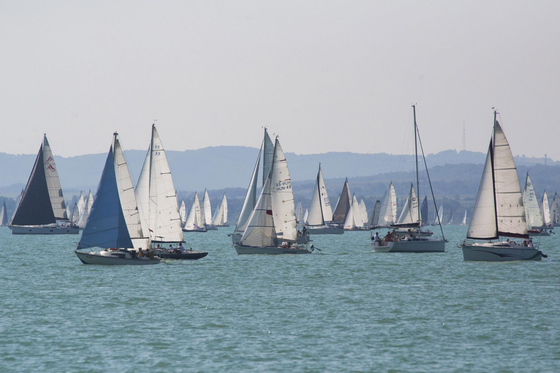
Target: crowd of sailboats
{"x": 127, "y": 224}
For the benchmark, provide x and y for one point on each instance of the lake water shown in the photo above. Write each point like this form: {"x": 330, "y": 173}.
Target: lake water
{"x": 341, "y": 309}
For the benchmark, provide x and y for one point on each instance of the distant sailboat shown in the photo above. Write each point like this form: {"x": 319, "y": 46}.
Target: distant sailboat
{"x": 363, "y": 210}
{"x": 206, "y": 211}
{"x": 464, "y": 222}
{"x": 533, "y": 213}
{"x": 220, "y": 218}
{"x": 439, "y": 215}
{"x": 194, "y": 221}
{"x": 388, "y": 212}
{"x": 271, "y": 228}
{"x": 183, "y": 213}
{"x": 450, "y": 221}
{"x": 343, "y": 205}
{"x": 299, "y": 213}
{"x": 424, "y": 210}
{"x": 320, "y": 213}
{"x": 545, "y": 211}
{"x": 42, "y": 209}
{"x": 114, "y": 222}
{"x": 4, "y": 215}
{"x": 354, "y": 217}
{"x": 374, "y": 221}
{"x": 554, "y": 213}
{"x": 498, "y": 210}
{"x": 88, "y": 203}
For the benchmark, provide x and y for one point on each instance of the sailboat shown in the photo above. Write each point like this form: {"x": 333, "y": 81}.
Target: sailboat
{"x": 42, "y": 209}
{"x": 183, "y": 213}
{"x": 424, "y": 210}
{"x": 194, "y": 221}
{"x": 157, "y": 204}
{"x": 271, "y": 228}
{"x": 450, "y": 221}
{"x": 343, "y": 205}
{"x": 220, "y": 218}
{"x": 88, "y": 203}
{"x": 299, "y": 213}
{"x": 533, "y": 213}
{"x": 545, "y": 211}
{"x": 554, "y": 213}
{"x": 114, "y": 221}
{"x": 410, "y": 218}
{"x": 4, "y": 215}
{"x": 388, "y": 210}
{"x": 498, "y": 210}
{"x": 464, "y": 222}
{"x": 363, "y": 210}
{"x": 320, "y": 213}
{"x": 206, "y": 211}
{"x": 374, "y": 221}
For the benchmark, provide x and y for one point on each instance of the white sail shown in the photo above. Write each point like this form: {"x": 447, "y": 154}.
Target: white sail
{"x": 343, "y": 204}
{"x": 87, "y": 204}
{"x": 250, "y": 199}
{"x": 220, "y": 215}
{"x": 388, "y": 215}
{"x": 325, "y": 202}
{"x": 4, "y": 215}
{"x": 374, "y": 221}
{"x": 282, "y": 196}
{"x": 509, "y": 202}
{"x": 439, "y": 216}
{"x": 183, "y": 213}
{"x": 464, "y": 222}
{"x": 357, "y": 212}
{"x": 533, "y": 215}
{"x": 349, "y": 222}
{"x": 260, "y": 231}
{"x": 155, "y": 192}
{"x": 78, "y": 209}
{"x": 194, "y": 219}
{"x": 315, "y": 214}
{"x": 545, "y": 211}
{"x": 499, "y": 207}
{"x": 410, "y": 213}
{"x": 268, "y": 156}
{"x": 554, "y": 210}
{"x": 299, "y": 213}
{"x": 206, "y": 209}
{"x": 53, "y": 182}
{"x": 363, "y": 210}
{"x": 305, "y": 216}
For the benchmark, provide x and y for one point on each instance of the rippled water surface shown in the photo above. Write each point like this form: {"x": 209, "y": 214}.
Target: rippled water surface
{"x": 341, "y": 309}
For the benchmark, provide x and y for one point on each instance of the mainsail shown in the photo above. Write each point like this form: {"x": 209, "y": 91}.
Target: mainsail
{"x": 42, "y": 201}
{"x": 409, "y": 215}
{"x": 282, "y": 196}
{"x": 194, "y": 219}
{"x": 260, "y": 231}
{"x": 388, "y": 215}
{"x": 4, "y": 215}
{"x": 545, "y": 211}
{"x": 320, "y": 211}
{"x": 374, "y": 221}
{"x": 250, "y": 198}
{"x": 220, "y": 216}
{"x": 343, "y": 205}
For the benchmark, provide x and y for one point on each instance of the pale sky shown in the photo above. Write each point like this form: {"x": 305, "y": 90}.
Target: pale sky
{"x": 324, "y": 75}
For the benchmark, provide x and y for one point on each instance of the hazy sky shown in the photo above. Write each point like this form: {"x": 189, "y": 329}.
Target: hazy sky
{"x": 324, "y": 75}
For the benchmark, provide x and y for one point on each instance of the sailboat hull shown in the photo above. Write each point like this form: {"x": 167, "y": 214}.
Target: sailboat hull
{"x": 187, "y": 255}
{"x": 418, "y": 245}
{"x": 499, "y": 252}
{"x": 538, "y": 232}
{"x": 116, "y": 259}
{"x": 39, "y": 229}
{"x": 248, "y": 250}
{"x": 325, "y": 230}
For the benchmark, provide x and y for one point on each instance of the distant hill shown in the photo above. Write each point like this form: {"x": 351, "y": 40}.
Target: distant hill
{"x": 229, "y": 167}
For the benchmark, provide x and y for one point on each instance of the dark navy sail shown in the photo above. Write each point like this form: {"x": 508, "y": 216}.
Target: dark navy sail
{"x": 106, "y": 226}
{"x": 35, "y": 205}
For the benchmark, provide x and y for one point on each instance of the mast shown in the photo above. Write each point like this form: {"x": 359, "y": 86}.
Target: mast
{"x": 416, "y": 160}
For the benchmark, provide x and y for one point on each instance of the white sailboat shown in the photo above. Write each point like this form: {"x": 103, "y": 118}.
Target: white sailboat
{"x": 220, "y": 218}
{"x": 194, "y": 221}
{"x": 305, "y": 216}
{"x": 271, "y": 228}
{"x": 533, "y": 213}
{"x": 374, "y": 221}
{"x": 498, "y": 210}
{"x": 42, "y": 209}
{"x": 183, "y": 213}
{"x": 554, "y": 213}
{"x": 545, "y": 211}
{"x": 88, "y": 203}
{"x": 388, "y": 212}
{"x": 114, "y": 221}
{"x": 416, "y": 241}
{"x": 4, "y": 215}
{"x": 299, "y": 213}
{"x": 439, "y": 216}
{"x": 319, "y": 215}
{"x": 206, "y": 211}
{"x": 363, "y": 210}
{"x": 464, "y": 222}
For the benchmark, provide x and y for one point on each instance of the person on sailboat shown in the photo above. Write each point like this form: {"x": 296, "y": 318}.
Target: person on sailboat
{"x": 181, "y": 248}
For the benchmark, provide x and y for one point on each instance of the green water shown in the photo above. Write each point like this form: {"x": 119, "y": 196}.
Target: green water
{"x": 342, "y": 309}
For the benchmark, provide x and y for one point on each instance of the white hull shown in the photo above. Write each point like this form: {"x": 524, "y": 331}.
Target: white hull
{"x": 325, "y": 230}
{"x": 419, "y": 245}
{"x": 39, "y": 229}
{"x": 246, "y": 250}
{"x": 499, "y": 252}
{"x": 118, "y": 258}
